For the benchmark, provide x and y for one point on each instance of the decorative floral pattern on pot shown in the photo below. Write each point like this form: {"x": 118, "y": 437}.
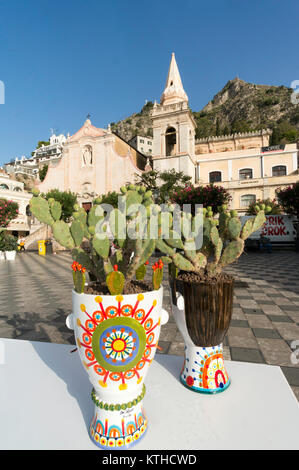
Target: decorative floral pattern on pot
{"x": 117, "y": 337}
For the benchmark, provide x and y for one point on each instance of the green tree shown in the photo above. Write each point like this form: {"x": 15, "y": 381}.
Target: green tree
{"x": 67, "y": 200}
{"x": 163, "y": 183}
{"x": 283, "y": 133}
{"x": 42, "y": 172}
{"x": 110, "y": 198}
{"x": 41, "y": 143}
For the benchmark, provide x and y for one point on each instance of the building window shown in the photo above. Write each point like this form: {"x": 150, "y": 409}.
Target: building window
{"x": 4, "y": 186}
{"x": 149, "y": 142}
{"x": 279, "y": 170}
{"x": 17, "y": 188}
{"x": 170, "y": 141}
{"x": 141, "y": 141}
{"x": 215, "y": 176}
{"x": 247, "y": 199}
{"x": 245, "y": 174}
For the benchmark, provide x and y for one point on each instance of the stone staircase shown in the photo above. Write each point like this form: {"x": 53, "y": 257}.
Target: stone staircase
{"x": 42, "y": 232}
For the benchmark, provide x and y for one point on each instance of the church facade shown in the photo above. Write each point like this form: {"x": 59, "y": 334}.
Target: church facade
{"x": 94, "y": 162}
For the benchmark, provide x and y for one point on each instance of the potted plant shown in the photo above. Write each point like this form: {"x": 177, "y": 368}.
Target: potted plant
{"x": 201, "y": 293}
{"x": 10, "y": 246}
{"x": 117, "y": 316}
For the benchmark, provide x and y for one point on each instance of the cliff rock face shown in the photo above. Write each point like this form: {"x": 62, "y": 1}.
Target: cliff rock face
{"x": 238, "y": 107}
{"x": 137, "y": 124}
{"x": 250, "y": 106}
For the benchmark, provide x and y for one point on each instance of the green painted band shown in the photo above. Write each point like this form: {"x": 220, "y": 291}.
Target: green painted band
{"x": 117, "y": 407}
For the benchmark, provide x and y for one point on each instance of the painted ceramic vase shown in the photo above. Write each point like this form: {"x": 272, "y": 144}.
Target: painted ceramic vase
{"x": 203, "y": 315}
{"x": 117, "y": 338}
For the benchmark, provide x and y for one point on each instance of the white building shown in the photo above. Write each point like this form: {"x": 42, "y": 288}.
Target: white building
{"x": 44, "y": 155}
{"x": 13, "y": 190}
{"x": 142, "y": 144}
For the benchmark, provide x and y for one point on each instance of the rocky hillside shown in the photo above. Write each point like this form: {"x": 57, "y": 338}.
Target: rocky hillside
{"x": 137, "y": 124}
{"x": 238, "y": 107}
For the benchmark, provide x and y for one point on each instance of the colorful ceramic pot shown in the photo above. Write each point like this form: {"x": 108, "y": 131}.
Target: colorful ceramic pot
{"x": 117, "y": 338}
{"x": 203, "y": 313}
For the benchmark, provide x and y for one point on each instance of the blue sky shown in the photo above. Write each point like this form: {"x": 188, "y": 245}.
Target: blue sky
{"x": 60, "y": 60}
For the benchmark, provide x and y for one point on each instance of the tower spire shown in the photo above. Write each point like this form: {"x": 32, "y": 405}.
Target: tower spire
{"x": 174, "y": 91}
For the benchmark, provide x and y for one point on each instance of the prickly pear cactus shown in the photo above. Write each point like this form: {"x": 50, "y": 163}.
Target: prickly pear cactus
{"x": 157, "y": 274}
{"x": 115, "y": 281}
{"x": 98, "y": 241}
{"x": 141, "y": 271}
{"x": 78, "y": 277}
{"x": 222, "y": 241}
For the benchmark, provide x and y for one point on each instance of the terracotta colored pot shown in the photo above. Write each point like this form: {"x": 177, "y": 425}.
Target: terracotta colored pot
{"x": 203, "y": 313}
{"x": 117, "y": 338}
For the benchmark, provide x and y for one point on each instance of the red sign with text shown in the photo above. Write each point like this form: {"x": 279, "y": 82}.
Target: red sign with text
{"x": 276, "y": 227}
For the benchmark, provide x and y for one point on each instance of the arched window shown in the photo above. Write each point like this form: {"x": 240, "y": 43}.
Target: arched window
{"x": 279, "y": 170}
{"x": 247, "y": 199}
{"x": 17, "y": 188}
{"x": 170, "y": 142}
{"x": 215, "y": 176}
{"x": 245, "y": 174}
{"x": 3, "y": 186}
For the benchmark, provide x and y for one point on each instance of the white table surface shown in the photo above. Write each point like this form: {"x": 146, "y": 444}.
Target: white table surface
{"x": 45, "y": 404}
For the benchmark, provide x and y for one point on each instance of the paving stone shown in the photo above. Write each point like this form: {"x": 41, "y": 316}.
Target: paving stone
{"x": 177, "y": 349}
{"x": 296, "y": 392}
{"x": 275, "y": 351}
{"x": 265, "y": 302}
{"x": 265, "y": 333}
{"x": 241, "y": 337}
{"x": 291, "y": 308}
{"x": 250, "y": 304}
{"x": 226, "y": 353}
{"x": 253, "y": 311}
{"x": 246, "y": 355}
{"x": 288, "y": 331}
{"x": 271, "y": 309}
{"x": 280, "y": 318}
{"x": 238, "y": 322}
{"x": 292, "y": 375}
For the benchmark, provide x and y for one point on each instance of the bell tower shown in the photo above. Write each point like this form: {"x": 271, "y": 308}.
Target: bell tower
{"x": 173, "y": 127}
